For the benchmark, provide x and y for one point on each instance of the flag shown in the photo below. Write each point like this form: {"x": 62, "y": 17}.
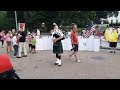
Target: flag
{"x": 89, "y": 31}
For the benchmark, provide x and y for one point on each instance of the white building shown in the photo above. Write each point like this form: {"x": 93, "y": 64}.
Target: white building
{"x": 114, "y": 19}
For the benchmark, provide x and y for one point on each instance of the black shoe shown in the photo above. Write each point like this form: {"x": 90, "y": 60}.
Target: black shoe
{"x": 56, "y": 63}
{"x": 24, "y": 55}
{"x": 59, "y": 65}
{"x": 111, "y": 51}
{"x": 18, "y": 57}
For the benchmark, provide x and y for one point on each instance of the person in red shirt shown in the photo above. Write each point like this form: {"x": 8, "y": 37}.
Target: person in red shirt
{"x": 29, "y": 42}
{"x": 74, "y": 41}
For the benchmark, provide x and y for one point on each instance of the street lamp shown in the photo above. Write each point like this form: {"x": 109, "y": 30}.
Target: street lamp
{"x": 16, "y": 21}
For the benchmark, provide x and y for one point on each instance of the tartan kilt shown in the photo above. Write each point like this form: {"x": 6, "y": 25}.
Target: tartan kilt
{"x": 58, "y": 48}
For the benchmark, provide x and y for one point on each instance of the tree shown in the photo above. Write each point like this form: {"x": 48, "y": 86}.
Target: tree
{"x": 34, "y": 19}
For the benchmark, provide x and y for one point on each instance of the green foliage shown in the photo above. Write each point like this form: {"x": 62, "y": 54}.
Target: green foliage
{"x": 34, "y": 19}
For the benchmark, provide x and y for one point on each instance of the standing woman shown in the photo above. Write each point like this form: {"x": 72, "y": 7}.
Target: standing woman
{"x": 57, "y": 44}
{"x": 9, "y": 41}
{"x": 107, "y": 34}
{"x": 2, "y": 34}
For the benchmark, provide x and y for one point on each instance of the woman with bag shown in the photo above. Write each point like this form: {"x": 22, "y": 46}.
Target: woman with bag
{"x": 9, "y": 41}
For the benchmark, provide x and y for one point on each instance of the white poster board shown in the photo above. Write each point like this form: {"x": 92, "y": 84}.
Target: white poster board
{"x": 90, "y": 44}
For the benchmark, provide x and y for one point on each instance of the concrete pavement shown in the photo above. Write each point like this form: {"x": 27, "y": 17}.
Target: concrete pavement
{"x": 94, "y": 65}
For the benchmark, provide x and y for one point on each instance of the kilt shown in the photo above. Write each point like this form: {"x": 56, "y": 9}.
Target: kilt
{"x": 58, "y": 48}
{"x": 113, "y": 44}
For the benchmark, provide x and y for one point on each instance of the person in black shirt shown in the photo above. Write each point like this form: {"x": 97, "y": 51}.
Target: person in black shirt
{"x": 22, "y": 44}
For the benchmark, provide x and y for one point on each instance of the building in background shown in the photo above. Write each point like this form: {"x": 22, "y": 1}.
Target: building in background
{"x": 114, "y": 19}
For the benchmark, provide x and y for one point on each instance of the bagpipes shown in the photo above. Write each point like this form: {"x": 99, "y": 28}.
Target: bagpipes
{"x": 57, "y": 36}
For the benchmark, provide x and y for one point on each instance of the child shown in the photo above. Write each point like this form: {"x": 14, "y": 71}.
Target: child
{"x": 33, "y": 44}
{"x": 15, "y": 44}
{"x": 29, "y": 42}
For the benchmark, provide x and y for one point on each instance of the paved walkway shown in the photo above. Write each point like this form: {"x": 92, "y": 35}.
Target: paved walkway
{"x": 94, "y": 65}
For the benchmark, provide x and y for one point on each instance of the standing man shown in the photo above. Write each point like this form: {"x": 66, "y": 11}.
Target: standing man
{"x": 74, "y": 41}
{"x": 113, "y": 40}
{"x": 38, "y": 33}
{"x": 22, "y": 45}
{"x": 57, "y": 44}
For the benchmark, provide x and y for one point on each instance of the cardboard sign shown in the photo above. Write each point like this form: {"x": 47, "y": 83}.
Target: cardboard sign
{"x": 21, "y": 26}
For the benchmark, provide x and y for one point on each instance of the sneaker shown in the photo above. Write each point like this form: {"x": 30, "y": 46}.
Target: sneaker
{"x": 111, "y": 51}
{"x": 18, "y": 57}
{"x": 78, "y": 61}
{"x": 56, "y": 63}
{"x": 59, "y": 64}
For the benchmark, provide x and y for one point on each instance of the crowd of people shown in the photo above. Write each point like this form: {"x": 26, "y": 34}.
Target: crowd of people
{"x": 16, "y": 42}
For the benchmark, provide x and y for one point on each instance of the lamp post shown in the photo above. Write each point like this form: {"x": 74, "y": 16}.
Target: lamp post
{"x": 16, "y": 21}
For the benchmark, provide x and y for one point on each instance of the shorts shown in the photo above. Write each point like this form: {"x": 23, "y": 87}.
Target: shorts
{"x": 113, "y": 44}
{"x": 30, "y": 45}
{"x": 8, "y": 43}
{"x": 75, "y": 48}
{"x": 33, "y": 47}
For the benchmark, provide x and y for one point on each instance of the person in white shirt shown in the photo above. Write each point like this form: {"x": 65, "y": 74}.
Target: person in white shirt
{"x": 38, "y": 33}
{"x": 15, "y": 45}
{"x": 119, "y": 30}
